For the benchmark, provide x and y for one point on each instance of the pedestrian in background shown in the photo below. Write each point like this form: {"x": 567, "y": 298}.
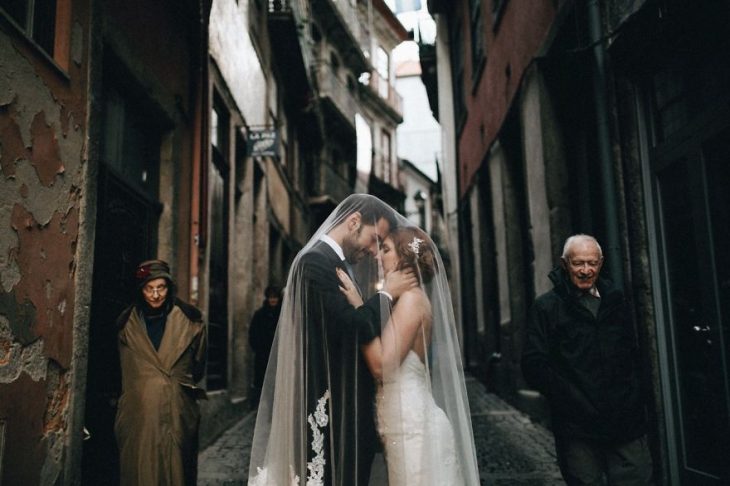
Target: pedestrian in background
{"x": 162, "y": 348}
{"x": 581, "y": 354}
{"x": 261, "y": 337}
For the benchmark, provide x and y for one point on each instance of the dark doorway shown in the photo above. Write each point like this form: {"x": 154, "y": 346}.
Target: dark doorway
{"x": 126, "y": 234}
{"x": 488, "y": 331}
{"x": 695, "y": 215}
{"x": 473, "y": 355}
{"x": 688, "y": 109}
{"x": 219, "y": 188}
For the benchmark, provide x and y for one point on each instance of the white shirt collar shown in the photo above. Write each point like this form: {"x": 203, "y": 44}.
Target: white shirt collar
{"x": 333, "y": 244}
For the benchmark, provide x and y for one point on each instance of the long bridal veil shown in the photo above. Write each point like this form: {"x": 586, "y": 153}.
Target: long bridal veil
{"x": 310, "y": 428}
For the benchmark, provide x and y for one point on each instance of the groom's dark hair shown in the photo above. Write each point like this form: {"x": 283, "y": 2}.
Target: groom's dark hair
{"x": 371, "y": 209}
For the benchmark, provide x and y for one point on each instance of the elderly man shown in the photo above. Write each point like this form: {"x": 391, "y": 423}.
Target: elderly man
{"x": 581, "y": 354}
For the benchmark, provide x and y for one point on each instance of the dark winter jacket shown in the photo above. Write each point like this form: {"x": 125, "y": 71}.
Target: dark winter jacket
{"x": 586, "y": 366}
{"x": 262, "y": 330}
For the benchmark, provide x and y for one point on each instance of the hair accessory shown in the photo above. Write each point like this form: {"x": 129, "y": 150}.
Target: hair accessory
{"x": 415, "y": 244}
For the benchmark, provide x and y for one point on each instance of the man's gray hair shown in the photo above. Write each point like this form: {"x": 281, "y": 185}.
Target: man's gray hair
{"x": 580, "y": 237}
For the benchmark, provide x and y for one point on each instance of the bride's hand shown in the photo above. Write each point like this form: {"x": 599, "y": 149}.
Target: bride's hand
{"x": 348, "y": 288}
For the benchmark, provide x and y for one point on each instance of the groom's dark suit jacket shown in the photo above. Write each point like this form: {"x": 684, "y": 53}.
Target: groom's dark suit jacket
{"x": 334, "y": 332}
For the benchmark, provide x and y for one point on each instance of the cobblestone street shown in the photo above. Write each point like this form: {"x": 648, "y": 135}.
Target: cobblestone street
{"x": 511, "y": 449}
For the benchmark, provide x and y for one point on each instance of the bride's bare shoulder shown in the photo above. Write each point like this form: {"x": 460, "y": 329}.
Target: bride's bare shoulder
{"x": 414, "y": 300}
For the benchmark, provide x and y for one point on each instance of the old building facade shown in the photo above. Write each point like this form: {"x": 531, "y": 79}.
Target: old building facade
{"x": 381, "y": 106}
{"x": 99, "y": 154}
{"x": 568, "y": 117}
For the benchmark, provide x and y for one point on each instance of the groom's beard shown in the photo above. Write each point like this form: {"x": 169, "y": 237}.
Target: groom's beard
{"x": 353, "y": 254}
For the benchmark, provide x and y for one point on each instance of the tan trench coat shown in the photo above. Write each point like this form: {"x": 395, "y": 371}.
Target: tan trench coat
{"x": 158, "y": 416}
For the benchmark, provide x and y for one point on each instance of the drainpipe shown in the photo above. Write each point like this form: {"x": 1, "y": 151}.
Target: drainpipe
{"x": 612, "y": 245}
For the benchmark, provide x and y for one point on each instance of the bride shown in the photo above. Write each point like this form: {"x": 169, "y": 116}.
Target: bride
{"x": 418, "y": 437}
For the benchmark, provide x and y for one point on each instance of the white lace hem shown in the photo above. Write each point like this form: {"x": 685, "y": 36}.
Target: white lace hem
{"x": 316, "y": 466}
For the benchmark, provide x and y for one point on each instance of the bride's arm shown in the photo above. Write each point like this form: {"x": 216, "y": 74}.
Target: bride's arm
{"x": 386, "y": 353}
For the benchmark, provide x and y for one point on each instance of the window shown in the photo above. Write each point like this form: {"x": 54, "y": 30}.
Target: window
{"x": 43, "y": 21}
{"x": 131, "y": 141}
{"x": 382, "y": 63}
{"x": 385, "y": 154}
{"x": 477, "y": 38}
{"x": 219, "y": 127}
{"x": 497, "y": 12}
{"x": 457, "y": 66}
{"x": 681, "y": 92}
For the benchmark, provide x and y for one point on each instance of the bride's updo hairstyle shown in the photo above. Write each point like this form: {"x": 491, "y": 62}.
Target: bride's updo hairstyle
{"x": 415, "y": 251}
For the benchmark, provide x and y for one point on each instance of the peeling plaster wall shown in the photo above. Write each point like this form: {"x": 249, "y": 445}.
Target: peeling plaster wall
{"x": 42, "y": 146}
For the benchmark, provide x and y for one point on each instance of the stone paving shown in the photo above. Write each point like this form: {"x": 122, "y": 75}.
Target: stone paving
{"x": 511, "y": 449}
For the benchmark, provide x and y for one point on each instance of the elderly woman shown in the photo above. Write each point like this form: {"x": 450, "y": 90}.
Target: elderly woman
{"x": 162, "y": 347}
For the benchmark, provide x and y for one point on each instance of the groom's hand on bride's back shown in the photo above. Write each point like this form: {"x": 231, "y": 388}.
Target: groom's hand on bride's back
{"x": 398, "y": 282}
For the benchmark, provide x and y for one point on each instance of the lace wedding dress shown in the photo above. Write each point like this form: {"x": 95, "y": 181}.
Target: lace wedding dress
{"x": 417, "y": 435}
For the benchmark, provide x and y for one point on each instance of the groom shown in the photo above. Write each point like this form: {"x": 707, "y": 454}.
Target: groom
{"x": 338, "y": 382}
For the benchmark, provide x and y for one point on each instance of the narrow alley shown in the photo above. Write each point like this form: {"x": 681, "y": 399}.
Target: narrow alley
{"x": 511, "y": 449}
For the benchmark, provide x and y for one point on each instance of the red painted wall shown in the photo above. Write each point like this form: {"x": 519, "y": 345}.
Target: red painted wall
{"x": 522, "y": 31}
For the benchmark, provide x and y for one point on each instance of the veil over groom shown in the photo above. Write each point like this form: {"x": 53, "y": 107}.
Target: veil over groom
{"x": 316, "y": 423}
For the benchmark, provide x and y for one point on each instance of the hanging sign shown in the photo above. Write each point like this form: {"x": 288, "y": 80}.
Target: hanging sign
{"x": 262, "y": 143}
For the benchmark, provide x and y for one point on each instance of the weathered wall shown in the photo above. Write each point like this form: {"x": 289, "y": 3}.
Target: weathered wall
{"x": 238, "y": 76}
{"x": 243, "y": 72}
{"x": 522, "y": 31}
{"x": 42, "y": 158}
{"x": 546, "y": 178}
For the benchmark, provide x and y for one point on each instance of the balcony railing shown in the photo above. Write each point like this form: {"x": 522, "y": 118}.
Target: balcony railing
{"x": 340, "y": 19}
{"x": 331, "y": 87}
{"x": 291, "y": 43}
{"x": 386, "y": 91}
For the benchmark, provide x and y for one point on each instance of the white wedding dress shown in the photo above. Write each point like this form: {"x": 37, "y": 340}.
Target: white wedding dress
{"x": 417, "y": 435}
